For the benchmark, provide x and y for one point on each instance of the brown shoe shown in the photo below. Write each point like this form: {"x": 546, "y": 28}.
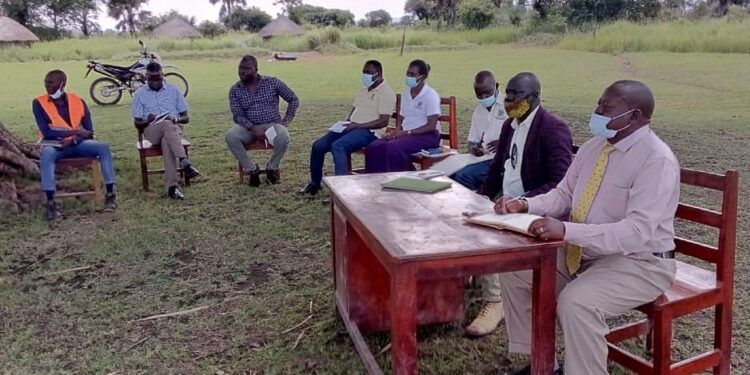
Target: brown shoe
{"x": 489, "y": 317}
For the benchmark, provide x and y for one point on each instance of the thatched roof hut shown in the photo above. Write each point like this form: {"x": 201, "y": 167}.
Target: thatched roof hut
{"x": 280, "y": 26}
{"x": 12, "y": 32}
{"x": 176, "y": 28}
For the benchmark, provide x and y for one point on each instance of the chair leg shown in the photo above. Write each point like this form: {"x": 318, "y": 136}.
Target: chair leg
{"x": 187, "y": 179}
{"x": 723, "y": 336}
{"x": 241, "y": 173}
{"x": 96, "y": 177}
{"x": 144, "y": 172}
{"x": 662, "y": 343}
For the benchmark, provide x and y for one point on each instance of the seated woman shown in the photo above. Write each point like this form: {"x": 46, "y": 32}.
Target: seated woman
{"x": 419, "y": 129}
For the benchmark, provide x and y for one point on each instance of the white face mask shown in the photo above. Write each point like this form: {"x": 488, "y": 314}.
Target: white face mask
{"x": 58, "y": 94}
{"x": 598, "y": 125}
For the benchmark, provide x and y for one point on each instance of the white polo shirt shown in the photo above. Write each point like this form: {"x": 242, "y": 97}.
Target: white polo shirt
{"x": 512, "y": 183}
{"x": 416, "y": 110}
{"x": 486, "y": 125}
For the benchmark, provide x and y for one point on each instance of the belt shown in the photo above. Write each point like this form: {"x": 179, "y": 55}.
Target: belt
{"x": 665, "y": 255}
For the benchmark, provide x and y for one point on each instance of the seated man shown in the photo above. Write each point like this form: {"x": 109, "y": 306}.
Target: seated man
{"x": 372, "y": 109}
{"x": 64, "y": 119}
{"x": 533, "y": 154}
{"x": 151, "y": 100}
{"x": 621, "y": 193}
{"x": 254, "y": 102}
{"x": 419, "y": 127}
{"x": 486, "y": 123}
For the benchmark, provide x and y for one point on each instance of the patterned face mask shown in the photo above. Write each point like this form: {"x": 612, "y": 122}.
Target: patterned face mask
{"x": 517, "y": 110}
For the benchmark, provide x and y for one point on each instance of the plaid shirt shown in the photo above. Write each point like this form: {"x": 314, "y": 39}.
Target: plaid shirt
{"x": 262, "y": 105}
{"x": 168, "y": 99}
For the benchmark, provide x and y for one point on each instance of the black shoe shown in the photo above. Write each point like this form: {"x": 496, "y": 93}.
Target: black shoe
{"x": 110, "y": 202}
{"x": 254, "y": 180}
{"x": 310, "y": 189}
{"x": 527, "y": 371}
{"x": 53, "y": 213}
{"x": 273, "y": 176}
{"x": 189, "y": 170}
{"x": 175, "y": 194}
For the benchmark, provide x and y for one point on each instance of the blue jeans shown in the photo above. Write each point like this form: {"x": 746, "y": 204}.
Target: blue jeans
{"x": 472, "y": 176}
{"x": 88, "y": 148}
{"x": 341, "y": 146}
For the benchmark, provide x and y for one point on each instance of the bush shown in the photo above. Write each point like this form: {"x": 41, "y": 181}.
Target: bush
{"x": 476, "y": 14}
{"x": 211, "y": 29}
{"x": 251, "y": 19}
{"x": 736, "y": 13}
{"x": 553, "y": 24}
{"x": 328, "y": 36}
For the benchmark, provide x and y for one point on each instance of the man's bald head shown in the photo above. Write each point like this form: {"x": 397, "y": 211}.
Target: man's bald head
{"x": 526, "y": 81}
{"x": 636, "y": 94}
{"x": 485, "y": 84}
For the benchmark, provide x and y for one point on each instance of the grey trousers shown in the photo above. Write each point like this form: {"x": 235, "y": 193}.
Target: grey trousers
{"x": 491, "y": 291}
{"x": 605, "y": 287}
{"x": 237, "y": 137}
{"x": 169, "y": 136}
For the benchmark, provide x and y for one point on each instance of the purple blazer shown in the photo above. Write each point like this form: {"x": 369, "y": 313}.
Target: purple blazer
{"x": 547, "y": 155}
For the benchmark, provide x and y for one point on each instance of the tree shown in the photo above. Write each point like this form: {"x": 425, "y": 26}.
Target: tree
{"x": 250, "y": 19}
{"x": 129, "y": 14}
{"x": 287, "y": 5}
{"x": 321, "y": 16}
{"x": 25, "y": 12}
{"x": 586, "y": 11}
{"x": 476, "y": 14}
{"x": 421, "y": 9}
{"x": 227, "y": 6}
{"x": 377, "y": 18}
{"x": 211, "y": 29}
{"x": 19, "y": 165}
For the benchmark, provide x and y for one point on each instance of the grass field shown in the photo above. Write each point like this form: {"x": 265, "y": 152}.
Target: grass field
{"x": 260, "y": 256}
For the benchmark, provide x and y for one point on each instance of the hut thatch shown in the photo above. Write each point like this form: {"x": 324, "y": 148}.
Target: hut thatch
{"x": 13, "y": 32}
{"x": 280, "y": 26}
{"x": 176, "y": 28}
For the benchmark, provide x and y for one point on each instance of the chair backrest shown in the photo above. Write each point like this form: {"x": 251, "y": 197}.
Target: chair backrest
{"x": 725, "y": 221}
{"x": 449, "y": 115}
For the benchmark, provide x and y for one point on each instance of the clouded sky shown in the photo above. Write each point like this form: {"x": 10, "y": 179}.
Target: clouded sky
{"x": 203, "y": 10}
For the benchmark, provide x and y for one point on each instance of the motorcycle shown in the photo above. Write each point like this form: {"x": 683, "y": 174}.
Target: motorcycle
{"x": 108, "y": 90}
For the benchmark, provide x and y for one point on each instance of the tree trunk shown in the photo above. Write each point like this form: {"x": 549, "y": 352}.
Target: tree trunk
{"x": 19, "y": 169}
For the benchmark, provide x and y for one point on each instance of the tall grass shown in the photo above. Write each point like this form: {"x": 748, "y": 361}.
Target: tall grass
{"x": 677, "y": 36}
{"x": 391, "y": 38}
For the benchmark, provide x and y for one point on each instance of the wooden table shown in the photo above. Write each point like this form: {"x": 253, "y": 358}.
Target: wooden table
{"x": 400, "y": 259}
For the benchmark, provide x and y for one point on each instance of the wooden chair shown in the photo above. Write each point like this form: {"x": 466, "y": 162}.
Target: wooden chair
{"x": 450, "y": 117}
{"x": 147, "y": 150}
{"x": 259, "y": 144}
{"x": 96, "y": 177}
{"x": 695, "y": 289}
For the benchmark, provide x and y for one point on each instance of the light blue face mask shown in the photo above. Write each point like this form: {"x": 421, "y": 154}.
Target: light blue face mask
{"x": 58, "y": 94}
{"x": 368, "y": 79}
{"x": 489, "y": 101}
{"x": 412, "y": 81}
{"x": 598, "y": 125}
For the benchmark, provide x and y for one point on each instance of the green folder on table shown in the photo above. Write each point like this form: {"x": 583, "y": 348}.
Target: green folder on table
{"x": 415, "y": 184}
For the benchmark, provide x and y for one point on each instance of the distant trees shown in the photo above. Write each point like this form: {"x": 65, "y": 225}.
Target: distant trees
{"x": 153, "y": 22}
{"x": 476, "y": 14}
{"x": 128, "y": 13}
{"x": 250, "y": 19}
{"x": 228, "y": 6}
{"x": 377, "y": 18}
{"x": 53, "y": 18}
{"x": 287, "y": 5}
{"x": 320, "y": 16}
{"x": 211, "y": 29}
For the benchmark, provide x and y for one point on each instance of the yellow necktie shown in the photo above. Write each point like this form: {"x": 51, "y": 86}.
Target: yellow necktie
{"x": 581, "y": 210}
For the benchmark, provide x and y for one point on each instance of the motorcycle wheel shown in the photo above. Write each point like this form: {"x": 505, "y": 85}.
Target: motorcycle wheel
{"x": 104, "y": 91}
{"x": 178, "y": 81}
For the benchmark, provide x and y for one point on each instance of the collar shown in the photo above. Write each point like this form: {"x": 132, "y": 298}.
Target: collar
{"x": 374, "y": 89}
{"x": 163, "y": 86}
{"x": 529, "y": 119}
{"x": 626, "y": 143}
{"x": 421, "y": 92}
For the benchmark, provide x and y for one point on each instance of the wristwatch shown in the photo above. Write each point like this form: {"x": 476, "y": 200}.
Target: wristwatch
{"x": 525, "y": 203}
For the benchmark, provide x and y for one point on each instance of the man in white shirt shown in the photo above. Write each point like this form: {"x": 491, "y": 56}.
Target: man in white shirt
{"x": 484, "y": 134}
{"x": 533, "y": 154}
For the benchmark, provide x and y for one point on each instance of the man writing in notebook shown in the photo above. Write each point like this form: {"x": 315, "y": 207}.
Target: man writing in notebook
{"x": 154, "y": 99}
{"x": 64, "y": 120}
{"x": 484, "y": 133}
{"x": 533, "y": 154}
{"x": 254, "y": 102}
{"x": 621, "y": 193}
{"x": 370, "y": 113}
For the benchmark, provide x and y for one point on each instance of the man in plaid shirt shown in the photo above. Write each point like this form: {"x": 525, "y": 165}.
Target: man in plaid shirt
{"x": 254, "y": 102}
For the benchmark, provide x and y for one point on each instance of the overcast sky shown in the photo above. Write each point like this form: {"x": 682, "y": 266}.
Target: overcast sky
{"x": 203, "y": 10}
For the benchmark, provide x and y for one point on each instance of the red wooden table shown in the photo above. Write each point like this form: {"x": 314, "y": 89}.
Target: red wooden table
{"x": 400, "y": 260}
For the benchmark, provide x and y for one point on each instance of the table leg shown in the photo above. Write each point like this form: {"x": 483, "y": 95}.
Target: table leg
{"x": 404, "y": 320}
{"x": 544, "y": 312}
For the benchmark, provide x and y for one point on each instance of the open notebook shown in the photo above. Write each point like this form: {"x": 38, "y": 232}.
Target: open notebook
{"x": 515, "y": 222}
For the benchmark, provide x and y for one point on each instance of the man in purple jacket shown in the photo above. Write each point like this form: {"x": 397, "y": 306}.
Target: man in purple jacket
{"x": 533, "y": 154}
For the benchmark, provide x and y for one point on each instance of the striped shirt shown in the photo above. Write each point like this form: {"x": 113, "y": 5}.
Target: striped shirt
{"x": 262, "y": 105}
{"x": 168, "y": 99}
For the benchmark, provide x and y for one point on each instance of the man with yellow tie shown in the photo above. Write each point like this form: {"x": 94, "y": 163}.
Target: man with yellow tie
{"x": 621, "y": 193}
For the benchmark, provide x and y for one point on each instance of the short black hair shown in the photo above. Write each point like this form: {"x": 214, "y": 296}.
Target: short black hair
{"x": 375, "y": 64}
{"x": 153, "y": 67}
{"x": 482, "y": 76}
{"x": 58, "y": 72}
{"x": 250, "y": 58}
{"x": 424, "y": 68}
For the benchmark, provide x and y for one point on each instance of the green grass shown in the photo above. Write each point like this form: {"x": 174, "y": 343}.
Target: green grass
{"x": 678, "y": 36}
{"x": 264, "y": 252}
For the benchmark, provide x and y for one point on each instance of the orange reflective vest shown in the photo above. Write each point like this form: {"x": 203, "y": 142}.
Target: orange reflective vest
{"x": 75, "y": 110}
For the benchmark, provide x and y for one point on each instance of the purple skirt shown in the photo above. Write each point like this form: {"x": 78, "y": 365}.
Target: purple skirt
{"x": 394, "y": 155}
